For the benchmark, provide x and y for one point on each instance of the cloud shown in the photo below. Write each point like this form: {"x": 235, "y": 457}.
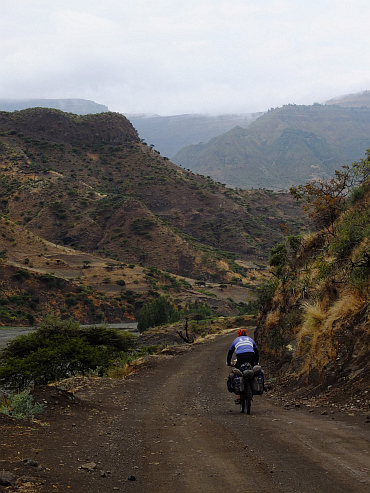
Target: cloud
{"x": 191, "y": 56}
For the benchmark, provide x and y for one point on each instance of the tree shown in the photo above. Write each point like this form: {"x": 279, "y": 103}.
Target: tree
{"x": 157, "y": 312}
{"x": 326, "y": 199}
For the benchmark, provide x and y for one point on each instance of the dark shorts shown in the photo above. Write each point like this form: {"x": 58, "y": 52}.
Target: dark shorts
{"x": 245, "y": 358}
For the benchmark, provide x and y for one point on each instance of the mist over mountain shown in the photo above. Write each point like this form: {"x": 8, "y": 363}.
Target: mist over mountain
{"x": 169, "y": 134}
{"x": 78, "y": 106}
{"x": 352, "y": 100}
{"x": 284, "y": 147}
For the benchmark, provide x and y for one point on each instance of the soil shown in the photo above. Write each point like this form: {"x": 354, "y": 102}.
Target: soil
{"x": 172, "y": 425}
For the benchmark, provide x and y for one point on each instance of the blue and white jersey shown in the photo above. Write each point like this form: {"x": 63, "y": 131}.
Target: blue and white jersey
{"x": 243, "y": 344}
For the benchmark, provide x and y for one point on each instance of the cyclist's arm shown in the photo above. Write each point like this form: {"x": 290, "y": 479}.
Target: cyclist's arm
{"x": 229, "y": 356}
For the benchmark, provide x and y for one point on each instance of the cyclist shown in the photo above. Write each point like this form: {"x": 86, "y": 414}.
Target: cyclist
{"x": 245, "y": 349}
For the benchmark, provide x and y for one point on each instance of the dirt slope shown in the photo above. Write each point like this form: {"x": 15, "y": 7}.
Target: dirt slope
{"x": 173, "y": 426}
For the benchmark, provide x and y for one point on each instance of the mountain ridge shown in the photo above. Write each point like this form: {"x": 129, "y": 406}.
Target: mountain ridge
{"x": 285, "y": 146}
{"x": 71, "y": 105}
{"x": 87, "y": 184}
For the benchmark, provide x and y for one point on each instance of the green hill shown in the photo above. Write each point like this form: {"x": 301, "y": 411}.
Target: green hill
{"x": 286, "y": 146}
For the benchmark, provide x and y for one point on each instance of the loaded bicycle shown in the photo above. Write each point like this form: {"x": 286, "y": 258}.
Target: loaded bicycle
{"x": 246, "y": 382}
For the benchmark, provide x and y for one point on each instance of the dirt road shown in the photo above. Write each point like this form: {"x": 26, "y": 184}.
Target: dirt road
{"x": 173, "y": 427}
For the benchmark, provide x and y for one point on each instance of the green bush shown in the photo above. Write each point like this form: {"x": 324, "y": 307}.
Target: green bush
{"x": 352, "y": 229}
{"x": 60, "y": 349}
{"x": 359, "y": 192}
{"x": 21, "y": 274}
{"x": 157, "y": 312}
{"x": 266, "y": 291}
{"x": 294, "y": 241}
{"x": 142, "y": 225}
{"x": 197, "y": 310}
{"x": 278, "y": 257}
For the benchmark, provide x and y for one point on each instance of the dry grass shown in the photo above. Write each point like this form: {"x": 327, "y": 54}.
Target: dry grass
{"x": 309, "y": 241}
{"x": 126, "y": 370}
{"x": 272, "y": 319}
{"x": 315, "y": 338}
{"x": 346, "y": 307}
{"x": 313, "y": 316}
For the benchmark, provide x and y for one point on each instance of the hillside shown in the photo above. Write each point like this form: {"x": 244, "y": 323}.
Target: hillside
{"x": 284, "y": 147}
{"x": 78, "y": 106}
{"x": 356, "y": 100}
{"x": 169, "y": 134}
{"x": 83, "y": 199}
{"x": 315, "y": 317}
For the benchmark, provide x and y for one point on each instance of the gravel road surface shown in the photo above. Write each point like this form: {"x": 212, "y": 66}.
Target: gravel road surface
{"x": 173, "y": 427}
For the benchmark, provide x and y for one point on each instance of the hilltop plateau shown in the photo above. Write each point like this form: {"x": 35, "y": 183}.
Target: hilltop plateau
{"x": 83, "y": 199}
{"x": 78, "y": 106}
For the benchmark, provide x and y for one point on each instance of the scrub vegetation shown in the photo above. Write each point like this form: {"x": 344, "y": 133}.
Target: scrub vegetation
{"x": 315, "y": 312}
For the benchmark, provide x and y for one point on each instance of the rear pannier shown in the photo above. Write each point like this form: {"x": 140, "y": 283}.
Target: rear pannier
{"x": 258, "y": 383}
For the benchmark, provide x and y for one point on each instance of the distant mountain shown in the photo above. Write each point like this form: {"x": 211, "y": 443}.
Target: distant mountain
{"x": 284, "y": 147}
{"x": 352, "y": 100}
{"x": 78, "y": 106}
{"x": 169, "y": 134}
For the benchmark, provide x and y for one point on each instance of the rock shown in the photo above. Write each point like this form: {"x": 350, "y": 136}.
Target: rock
{"x": 131, "y": 478}
{"x": 30, "y": 462}
{"x": 6, "y": 478}
{"x": 89, "y": 466}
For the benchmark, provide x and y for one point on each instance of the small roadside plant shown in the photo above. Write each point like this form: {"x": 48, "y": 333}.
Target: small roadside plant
{"x": 20, "y": 405}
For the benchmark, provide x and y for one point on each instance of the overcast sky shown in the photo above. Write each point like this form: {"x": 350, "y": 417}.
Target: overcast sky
{"x": 190, "y": 56}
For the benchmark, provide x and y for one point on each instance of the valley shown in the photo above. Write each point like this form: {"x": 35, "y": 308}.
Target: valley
{"x": 96, "y": 225}
{"x": 86, "y": 202}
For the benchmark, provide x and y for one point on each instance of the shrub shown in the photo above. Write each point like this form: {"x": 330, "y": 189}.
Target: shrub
{"x": 60, "y": 349}
{"x": 294, "y": 241}
{"x": 358, "y": 193}
{"x": 157, "y": 312}
{"x": 278, "y": 258}
{"x": 142, "y": 225}
{"x": 20, "y": 406}
{"x": 350, "y": 232}
{"x": 21, "y": 274}
{"x": 359, "y": 278}
{"x": 266, "y": 291}
{"x": 197, "y": 310}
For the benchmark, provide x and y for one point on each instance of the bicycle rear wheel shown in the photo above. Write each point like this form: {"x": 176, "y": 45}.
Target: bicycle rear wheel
{"x": 242, "y": 403}
{"x": 248, "y": 397}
